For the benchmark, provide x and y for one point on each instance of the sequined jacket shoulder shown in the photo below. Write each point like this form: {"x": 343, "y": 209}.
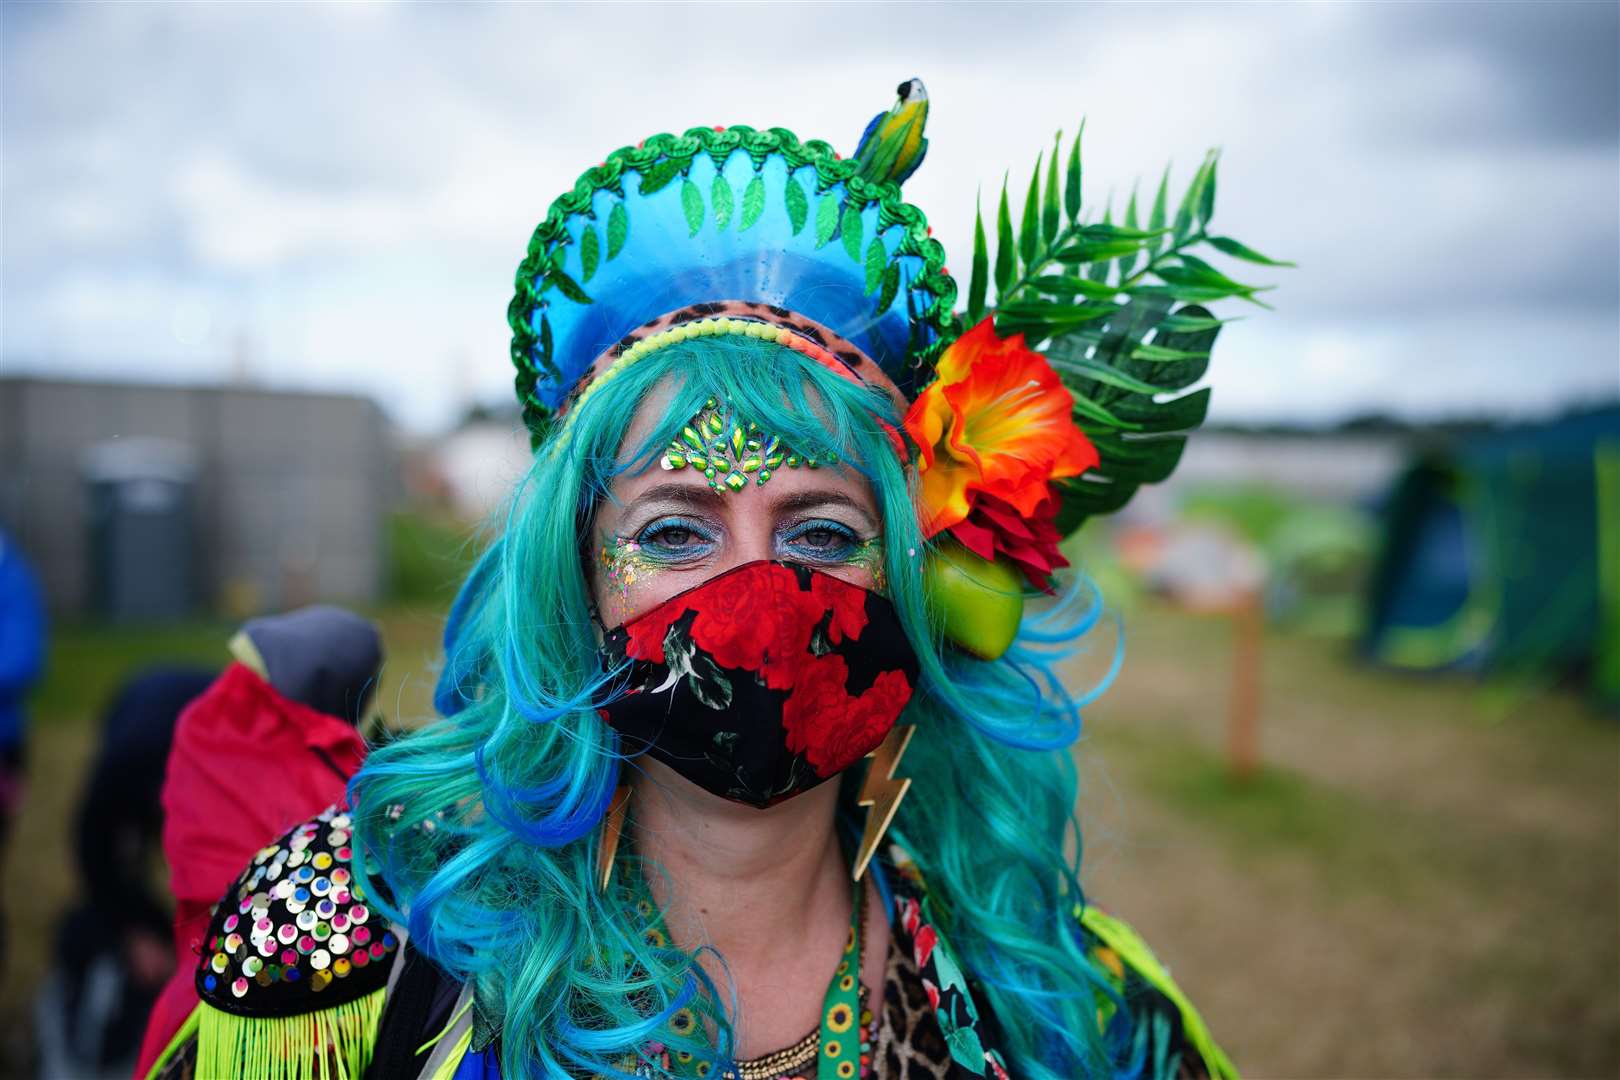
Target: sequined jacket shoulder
{"x": 294, "y": 956}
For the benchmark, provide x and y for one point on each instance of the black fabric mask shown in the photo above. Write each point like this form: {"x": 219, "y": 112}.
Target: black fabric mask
{"x": 762, "y": 682}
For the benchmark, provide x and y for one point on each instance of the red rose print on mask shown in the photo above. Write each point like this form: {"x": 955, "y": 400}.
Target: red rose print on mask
{"x": 757, "y": 619}
{"x": 743, "y": 683}
{"x": 829, "y": 727}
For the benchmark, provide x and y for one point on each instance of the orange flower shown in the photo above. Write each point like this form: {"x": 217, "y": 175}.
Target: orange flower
{"x": 996, "y": 420}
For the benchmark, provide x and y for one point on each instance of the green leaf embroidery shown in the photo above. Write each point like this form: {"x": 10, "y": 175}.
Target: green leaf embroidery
{"x": 826, "y": 219}
{"x": 877, "y": 259}
{"x": 891, "y": 287}
{"x": 618, "y": 229}
{"x": 1071, "y": 185}
{"x": 720, "y": 195}
{"x": 753, "y": 203}
{"x": 590, "y": 252}
{"x": 545, "y": 336}
{"x": 1228, "y": 246}
{"x": 798, "y": 205}
{"x": 978, "y": 284}
{"x": 567, "y": 286}
{"x": 659, "y": 176}
{"x": 1004, "y": 244}
{"x": 851, "y": 228}
{"x": 692, "y": 205}
{"x": 1029, "y": 230}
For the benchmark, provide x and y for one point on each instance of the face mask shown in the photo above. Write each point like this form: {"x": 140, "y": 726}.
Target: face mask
{"x": 762, "y": 682}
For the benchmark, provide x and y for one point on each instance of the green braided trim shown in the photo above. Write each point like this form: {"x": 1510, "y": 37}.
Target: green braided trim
{"x": 659, "y": 160}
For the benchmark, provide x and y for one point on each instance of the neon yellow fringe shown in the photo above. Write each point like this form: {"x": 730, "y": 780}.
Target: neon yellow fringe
{"x": 187, "y": 1029}
{"x": 334, "y": 1043}
{"x": 1119, "y": 936}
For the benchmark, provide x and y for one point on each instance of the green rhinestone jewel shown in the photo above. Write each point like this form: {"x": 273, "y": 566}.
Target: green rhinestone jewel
{"x": 725, "y": 448}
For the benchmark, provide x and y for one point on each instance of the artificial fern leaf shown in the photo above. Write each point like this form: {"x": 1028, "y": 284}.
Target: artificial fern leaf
{"x": 1071, "y": 183}
{"x": 1005, "y": 265}
{"x": 1029, "y": 231}
{"x": 979, "y": 282}
{"x": 1051, "y": 220}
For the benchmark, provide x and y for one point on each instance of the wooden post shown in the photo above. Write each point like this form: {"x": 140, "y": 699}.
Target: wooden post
{"x": 1243, "y": 722}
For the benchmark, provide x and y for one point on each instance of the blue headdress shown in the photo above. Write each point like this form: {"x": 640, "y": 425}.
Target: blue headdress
{"x": 1096, "y": 334}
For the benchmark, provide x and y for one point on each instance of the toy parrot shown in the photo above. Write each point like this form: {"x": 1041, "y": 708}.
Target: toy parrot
{"x": 893, "y": 145}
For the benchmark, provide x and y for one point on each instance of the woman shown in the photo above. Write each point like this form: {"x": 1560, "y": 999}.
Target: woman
{"x": 782, "y": 515}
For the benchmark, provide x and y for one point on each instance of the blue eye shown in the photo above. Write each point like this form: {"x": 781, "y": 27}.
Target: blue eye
{"x": 821, "y": 540}
{"x": 674, "y": 538}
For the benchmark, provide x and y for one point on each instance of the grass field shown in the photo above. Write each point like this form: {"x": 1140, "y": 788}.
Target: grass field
{"x": 1415, "y": 886}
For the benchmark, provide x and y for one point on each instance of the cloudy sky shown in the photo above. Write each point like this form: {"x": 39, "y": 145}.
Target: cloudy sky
{"x": 337, "y": 196}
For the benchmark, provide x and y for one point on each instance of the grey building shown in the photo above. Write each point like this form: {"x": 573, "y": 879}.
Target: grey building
{"x": 276, "y": 498}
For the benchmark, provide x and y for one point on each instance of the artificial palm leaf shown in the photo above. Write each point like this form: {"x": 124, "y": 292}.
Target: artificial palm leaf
{"x": 1120, "y": 310}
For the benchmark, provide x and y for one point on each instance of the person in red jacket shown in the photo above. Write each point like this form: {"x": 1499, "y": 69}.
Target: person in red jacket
{"x": 271, "y": 742}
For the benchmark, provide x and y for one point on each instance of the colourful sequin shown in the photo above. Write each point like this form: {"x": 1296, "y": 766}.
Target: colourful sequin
{"x": 300, "y": 915}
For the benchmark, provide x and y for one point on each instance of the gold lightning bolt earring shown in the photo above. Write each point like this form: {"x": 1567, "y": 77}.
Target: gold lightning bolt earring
{"x": 882, "y": 792}
{"x": 612, "y": 828}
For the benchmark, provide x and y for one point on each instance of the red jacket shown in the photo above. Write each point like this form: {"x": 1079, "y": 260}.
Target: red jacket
{"x": 247, "y": 764}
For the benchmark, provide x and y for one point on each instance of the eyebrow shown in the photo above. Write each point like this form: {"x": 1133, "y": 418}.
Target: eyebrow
{"x": 704, "y": 497}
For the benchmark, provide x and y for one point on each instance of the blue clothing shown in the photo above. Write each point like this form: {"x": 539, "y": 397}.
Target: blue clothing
{"x": 22, "y": 639}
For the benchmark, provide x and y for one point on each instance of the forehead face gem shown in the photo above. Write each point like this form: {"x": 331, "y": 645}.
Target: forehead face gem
{"x": 728, "y": 450}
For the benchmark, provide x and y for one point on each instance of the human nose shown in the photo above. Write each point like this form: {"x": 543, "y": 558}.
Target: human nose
{"x": 751, "y": 539}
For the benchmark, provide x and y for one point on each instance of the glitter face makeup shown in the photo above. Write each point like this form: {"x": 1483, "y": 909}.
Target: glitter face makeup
{"x": 868, "y": 555}
{"x": 727, "y": 450}
{"x": 624, "y": 563}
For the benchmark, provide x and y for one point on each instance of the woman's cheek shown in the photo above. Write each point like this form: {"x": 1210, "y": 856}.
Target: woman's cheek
{"x": 631, "y": 581}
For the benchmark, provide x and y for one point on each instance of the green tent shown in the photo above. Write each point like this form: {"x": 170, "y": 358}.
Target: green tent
{"x": 1501, "y": 553}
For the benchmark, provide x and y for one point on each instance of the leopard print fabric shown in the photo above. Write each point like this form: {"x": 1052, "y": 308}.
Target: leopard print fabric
{"x": 909, "y": 1044}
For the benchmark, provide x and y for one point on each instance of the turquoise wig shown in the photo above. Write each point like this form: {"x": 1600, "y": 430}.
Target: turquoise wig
{"x": 481, "y": 829}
